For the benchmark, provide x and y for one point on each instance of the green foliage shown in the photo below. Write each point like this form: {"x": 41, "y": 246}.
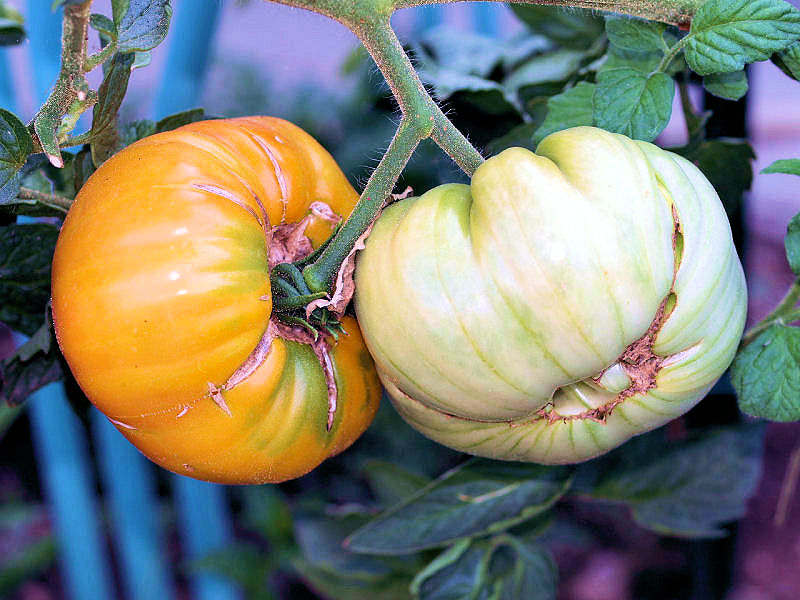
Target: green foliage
{"x": 26, "y": 252}
{"x": 141, "y": 24}
{"x": 476, "y": 498}
{"x": 787, "y": 166}
{"x": 571, "y": 108}
{"x": 12, "y": 26}
{"x": 730, "y": 86}
{"x": 15, "y": 146}
{"x": 501, "y": 567}
{"x": 788, "y": 60}
{"x": 687, "y": 488}
{"x": 28, "y": 552}
{"x": 105, "y": 135}
{"x": 635, "y": 34}
{"x": 793, "y": 244}
{"x": 766, "y": 375}
{"x": 572, "y": 28}
{"x": 629, "y": 102}
{"x": 727, "y": 34}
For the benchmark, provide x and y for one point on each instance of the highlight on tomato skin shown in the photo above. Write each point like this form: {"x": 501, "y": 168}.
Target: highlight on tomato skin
{"x": 563, "y": 302}
{"x": 162, "y": 302}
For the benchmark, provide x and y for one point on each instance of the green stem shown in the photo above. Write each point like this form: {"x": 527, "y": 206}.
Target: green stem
{"x": 320, "y": 274}
{"x": 672, "y": 54}
{"x": 784, "y": 313}
{"x": 71, "y": 82}
{"x": 100, "y": 56}
{"x": 53, "y": 200}
{"x": 675, "y": 12}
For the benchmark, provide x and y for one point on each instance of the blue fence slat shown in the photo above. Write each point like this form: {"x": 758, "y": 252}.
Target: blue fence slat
{"x": 428, "y": 17}
{"x": 190, "y": 42}
{"x": 131, "y": 494}
{"x": 60, "y": 444}
{"x": 205, "y": 526}
{"x": 7, "y": 98}
{"x": 485, "y": 17}
{"x": 43, "y": 26}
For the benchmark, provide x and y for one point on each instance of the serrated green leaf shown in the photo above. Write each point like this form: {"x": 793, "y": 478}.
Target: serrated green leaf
{"x": 15, "y": 146}
{"x": 686, "y": 488}
{"x": 501, "y": 568}
{"x": 26, "y": 252}
{"x": 573, "y": 28}
{"x": 646, "y": 62}
{"x": 141, "y": 24}
{"x": 391, "y": 483}
{"x": 180, "y": 119}
{"x": 630, "y": 102}
{"x": 571, "y": 108}
{"x": 786, "y": 166}
{"x": 766, "y": 375}
{"x": 792, "y": 243}
{"x": 725, "y": 35}
{"x": 637, "y": 35}
{"x": 41, "y": 341}
{"x": 104, "y": 25}
{"x": 136, "y": 130}
{"x": 788, "y": 60}
{"x": 476, "y": 498}
{"x": 730, "y": 86}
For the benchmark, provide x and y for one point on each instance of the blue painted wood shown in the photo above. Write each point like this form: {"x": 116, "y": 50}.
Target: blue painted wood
{"x": 64, "y": 468}
{"x": 44, "y": 41}
{"x": 486, "y": 17}
{"x": 130, "y": 492}
{"x": 205, "y": 526}
{"x": 190, "y": 42}
{"x": 429, "y": 17}
{"x": 8, "y": 99}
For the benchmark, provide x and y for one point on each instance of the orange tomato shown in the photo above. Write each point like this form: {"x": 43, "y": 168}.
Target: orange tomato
{"x": 161, "y": 302}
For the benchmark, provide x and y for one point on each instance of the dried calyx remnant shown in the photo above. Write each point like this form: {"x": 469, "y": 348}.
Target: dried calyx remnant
{"x": 639, "y": 362}
{"x": 287, "y": 243}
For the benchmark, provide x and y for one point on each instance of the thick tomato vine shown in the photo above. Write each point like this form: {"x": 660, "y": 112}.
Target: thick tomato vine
{"x": 162, "y": 302}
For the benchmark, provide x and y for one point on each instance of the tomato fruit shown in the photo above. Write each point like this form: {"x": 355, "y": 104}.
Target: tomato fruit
{"x": 562, "y": 303}
{"x": 162, "y": 302}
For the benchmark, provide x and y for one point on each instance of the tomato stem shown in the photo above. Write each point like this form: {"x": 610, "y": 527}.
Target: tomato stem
{"x": 786, "y": 312}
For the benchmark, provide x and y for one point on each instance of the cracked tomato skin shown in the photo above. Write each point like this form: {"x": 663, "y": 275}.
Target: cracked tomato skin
{"x": 161, "y": 292}
{"x": 562, "y": 303}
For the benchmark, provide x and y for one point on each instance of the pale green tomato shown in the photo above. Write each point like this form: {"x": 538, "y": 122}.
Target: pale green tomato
{"x": 562, "y": 303}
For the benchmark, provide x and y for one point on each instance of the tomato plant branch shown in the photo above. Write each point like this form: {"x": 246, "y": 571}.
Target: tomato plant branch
{"x": 71, "y": 89}
{"x": 786, "y": 312}
{"x": 52, "y": 200}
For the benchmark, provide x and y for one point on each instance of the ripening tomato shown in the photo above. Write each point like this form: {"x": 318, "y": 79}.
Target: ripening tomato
{"x": 563, "y": 302}
{"x": 162, "y": 302}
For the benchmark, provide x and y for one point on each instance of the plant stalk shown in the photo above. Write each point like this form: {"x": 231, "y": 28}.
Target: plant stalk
{"x": 784, "y": 313}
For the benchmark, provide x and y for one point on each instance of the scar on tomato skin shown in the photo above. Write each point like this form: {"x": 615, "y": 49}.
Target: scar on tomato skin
{"x": 121, "y": 424}
{"x": 278, "y": 175}
{"x": 183, "y": 411}
{"x": 187, "y": 467}
{"x": 289, "y": 243}
{"x": 253, "y": 361}
{"x": 216, "y": 396}
{"x": 228, "y": 195}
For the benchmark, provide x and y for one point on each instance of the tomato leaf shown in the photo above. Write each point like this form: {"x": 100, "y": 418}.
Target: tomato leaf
{"x": 102, "y": 24}
{"x": 792, "y": 243}
{"x": 686, "y": 488}
{"x": 635, "y": 34}
{"x": 473, "y": 499}
{"x": 20, "y": 378}
{"x": 502, "y": 567}
{"x": 788, "y": 60}
{"x": 105, "y": 136}
{"x": 141, "y": 24}
{"x": 727, "y": 34}
{"x": 15, "y": 146}
{"x": 787, "y": 166}
{"x": 180, "y": 119}
{"x": 568, "y": 109}
{"x": 573, "y": 28}
{"x": 730, "y": 86}
{"x": 766, "y": 375}
{"x": 12, "y": 30}
{"x": 633, "y": 103}
{"x": 26, "y": 252}
{"x": 391, "y": 483}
